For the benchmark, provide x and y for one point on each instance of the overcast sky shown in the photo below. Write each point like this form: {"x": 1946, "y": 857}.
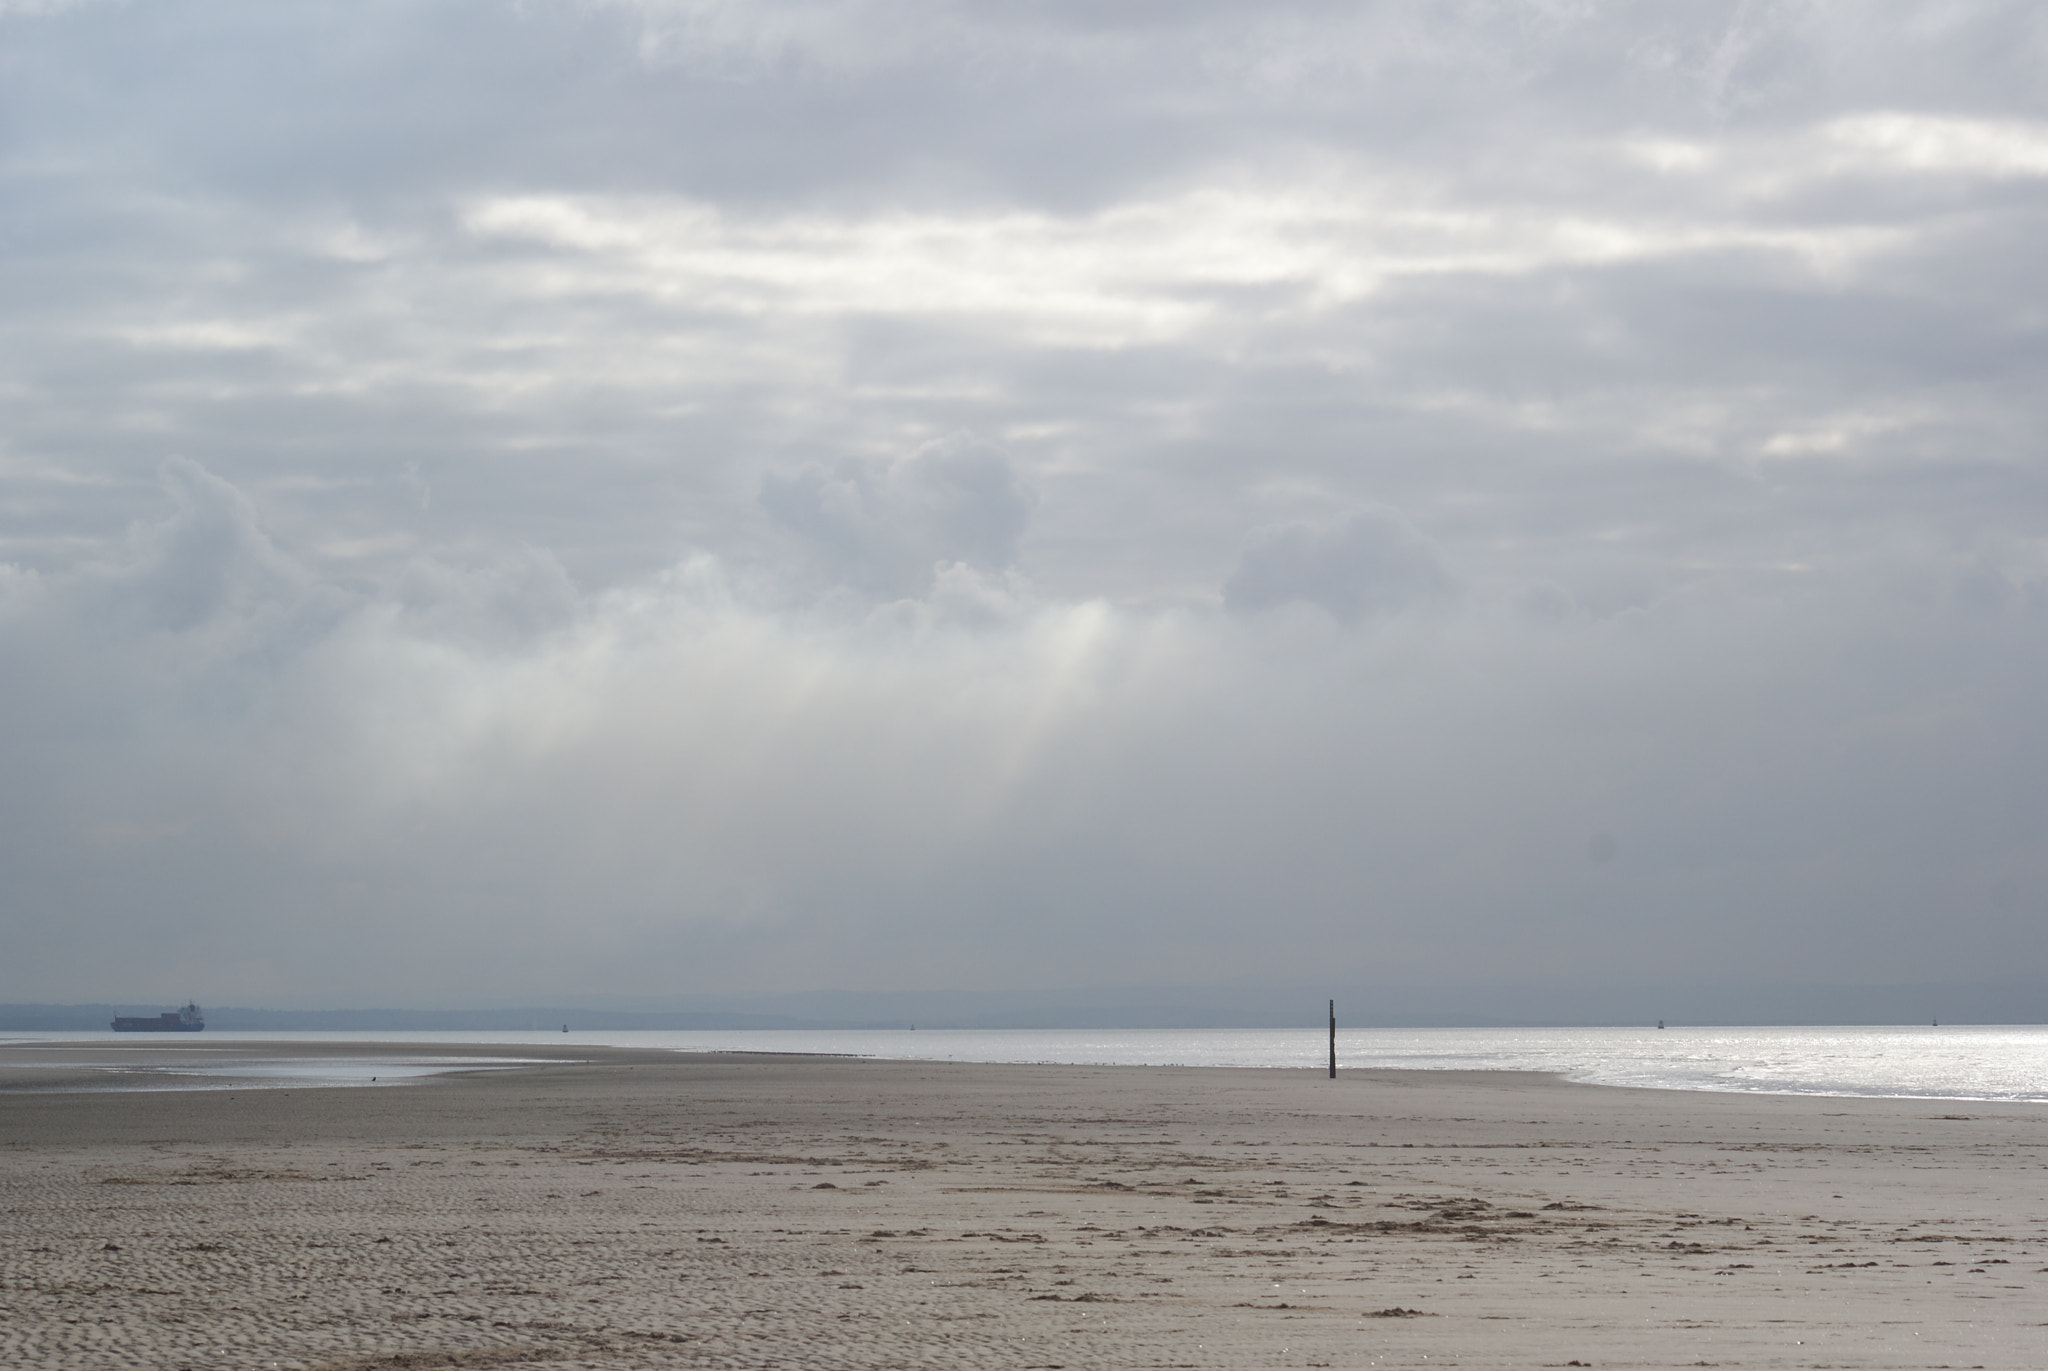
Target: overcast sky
{"x": 512, "y": 500}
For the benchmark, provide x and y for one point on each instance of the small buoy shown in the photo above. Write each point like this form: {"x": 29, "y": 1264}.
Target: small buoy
{"x": 565, "y": 1028}
{"x": 1660, "y": 1023}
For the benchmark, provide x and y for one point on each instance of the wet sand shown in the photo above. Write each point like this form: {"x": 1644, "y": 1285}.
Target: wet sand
{"x": 638, "y": 1209}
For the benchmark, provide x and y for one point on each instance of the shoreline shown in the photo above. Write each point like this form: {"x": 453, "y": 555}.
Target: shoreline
{"x": 91, "y": 1054}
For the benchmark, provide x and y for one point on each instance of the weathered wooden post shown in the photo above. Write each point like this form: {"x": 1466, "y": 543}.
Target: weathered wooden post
{"x": 1333, "y": 1040}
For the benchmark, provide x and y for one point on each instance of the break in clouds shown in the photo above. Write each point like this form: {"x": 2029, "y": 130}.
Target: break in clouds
{"x": 502, "y": 501}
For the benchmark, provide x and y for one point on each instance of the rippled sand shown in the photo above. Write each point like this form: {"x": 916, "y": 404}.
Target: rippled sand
{"x": 644, "y": 1210}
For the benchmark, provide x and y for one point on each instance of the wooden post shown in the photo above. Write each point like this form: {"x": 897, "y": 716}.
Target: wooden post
{"x": 1333, "y": 1040}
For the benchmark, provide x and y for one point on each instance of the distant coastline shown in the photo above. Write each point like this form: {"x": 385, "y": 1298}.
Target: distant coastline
{"x": 1206, "y": 1007}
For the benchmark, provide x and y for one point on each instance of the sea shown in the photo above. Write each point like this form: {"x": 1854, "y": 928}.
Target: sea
{"x": 1966, "y": 1062}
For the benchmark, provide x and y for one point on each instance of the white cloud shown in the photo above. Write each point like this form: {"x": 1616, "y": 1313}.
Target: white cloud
{"x": 1937, "y": 144}
{"x": 1151, "y": 270}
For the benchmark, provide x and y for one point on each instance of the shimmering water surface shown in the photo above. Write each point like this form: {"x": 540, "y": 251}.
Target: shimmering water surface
{"x": 217, "y": 1066}
{"x": 1965, "y": 1063}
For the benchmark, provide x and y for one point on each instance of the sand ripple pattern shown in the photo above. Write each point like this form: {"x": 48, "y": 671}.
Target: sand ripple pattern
{"x": 771, "y": 1213}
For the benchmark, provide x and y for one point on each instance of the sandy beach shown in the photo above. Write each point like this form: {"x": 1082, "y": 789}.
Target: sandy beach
{"x": 624, "y": 1209}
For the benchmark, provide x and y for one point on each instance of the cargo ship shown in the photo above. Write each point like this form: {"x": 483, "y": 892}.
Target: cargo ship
{"x": 184, "y": 1020}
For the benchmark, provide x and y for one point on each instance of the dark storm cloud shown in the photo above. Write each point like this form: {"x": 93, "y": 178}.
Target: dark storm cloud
{"x": 670, "y": 495}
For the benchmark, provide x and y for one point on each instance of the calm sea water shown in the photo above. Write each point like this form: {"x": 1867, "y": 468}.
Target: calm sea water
{"x": 1963, "y": 1063}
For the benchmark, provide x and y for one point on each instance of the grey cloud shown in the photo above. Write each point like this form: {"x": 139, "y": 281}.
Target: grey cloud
{"x": 1371, "y": 563}
{"x": 689, "y": 774}
{"x": 209, "y": 558}
{"x": 1703, "y": 341}
{"x": 887, "y": 527}
{"x": 513, "y": 597}
{"x": 711, "y": 786}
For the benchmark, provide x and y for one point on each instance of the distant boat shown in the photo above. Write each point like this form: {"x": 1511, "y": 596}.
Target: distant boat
{"x": 184, "y": 1020}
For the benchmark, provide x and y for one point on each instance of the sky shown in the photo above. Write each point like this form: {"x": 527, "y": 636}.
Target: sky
{"x": 667, "y": 497}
